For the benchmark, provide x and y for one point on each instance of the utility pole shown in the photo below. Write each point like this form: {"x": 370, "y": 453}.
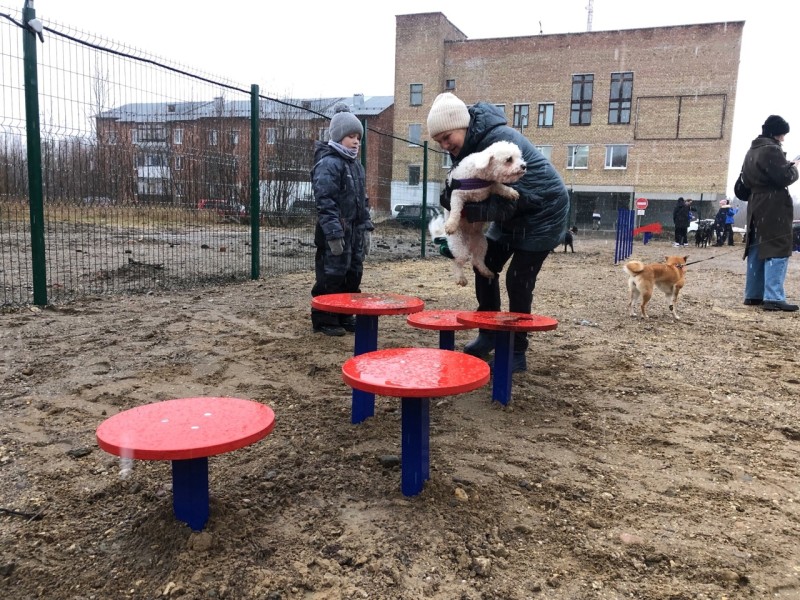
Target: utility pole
{"x": 590, "y": 12}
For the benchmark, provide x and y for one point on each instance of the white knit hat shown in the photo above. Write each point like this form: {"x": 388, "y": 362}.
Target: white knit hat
{"x": 447, "y": 113}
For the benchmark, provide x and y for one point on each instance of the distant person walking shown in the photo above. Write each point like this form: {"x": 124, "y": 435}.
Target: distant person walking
{"x": 680, "y": 217}
{"x": 596, "y": 221}
{"x": 725, "y": 219}
{"x": 768, "y": 243}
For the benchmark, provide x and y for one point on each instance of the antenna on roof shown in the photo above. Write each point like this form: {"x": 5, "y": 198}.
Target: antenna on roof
{"x": 589, "y": 11}
{"x": 540, "y": 28}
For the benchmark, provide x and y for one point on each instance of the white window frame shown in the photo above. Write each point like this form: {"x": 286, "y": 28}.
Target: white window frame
{"x": 579, "y": 153}
{"x": 177, "y": 136}
{"x": 522, "y": 114}
{"x": 546, "y": 151}
{"x": 415, "y": 134}
{"x": 213, "y": 137}
{"x": 610, "y": 153}
{"x": 272, "y": 135}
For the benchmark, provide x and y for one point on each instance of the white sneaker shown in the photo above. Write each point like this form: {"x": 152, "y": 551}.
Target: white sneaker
{"x": 676, "y": 244}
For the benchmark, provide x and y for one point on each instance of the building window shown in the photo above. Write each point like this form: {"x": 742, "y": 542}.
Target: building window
{"x": 581, "y": 106}
{"x": 546, "y": 115}
{"x": 616, "y": 157}
{"x": 415, "y": 134}
{"x": 447, "y": 161}
{"x": 272, "y": 135}
{"x": 324, "y": 134}
{"x": 450, "y": 85}
{"x": 111, "y": 137}
{"x": 177, "y": 136}
{"x": 178, "y": 163}
{"x": 151, "y": 160}
{"x": 213, "y": 137}
{"x": 233, "y": 137}
{"x": 521, "y": 115}
{"x": 416, "y": 94}
{"x": 546, "y": 151}
{"x": 149, "y": 133}
{"x": 413, "y": 174}
{"x": 577, "y": 157}
{"x": 619, "y": 98}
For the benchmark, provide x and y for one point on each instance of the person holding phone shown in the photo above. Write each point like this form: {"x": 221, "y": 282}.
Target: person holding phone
{"x": 769, "y": 217}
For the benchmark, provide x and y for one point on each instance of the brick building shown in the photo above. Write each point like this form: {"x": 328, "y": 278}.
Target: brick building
{"x": 180, "y": 153}
{"x": 621, "y": 114}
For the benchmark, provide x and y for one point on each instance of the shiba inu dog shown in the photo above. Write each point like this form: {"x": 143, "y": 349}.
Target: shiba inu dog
{"x": 667, "y": 276}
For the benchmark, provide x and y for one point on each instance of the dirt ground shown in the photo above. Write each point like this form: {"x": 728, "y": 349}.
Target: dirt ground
{"x": 637, "y": 459}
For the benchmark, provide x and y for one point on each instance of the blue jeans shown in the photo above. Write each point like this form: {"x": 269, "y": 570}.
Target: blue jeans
{"x": 765, "y": 277}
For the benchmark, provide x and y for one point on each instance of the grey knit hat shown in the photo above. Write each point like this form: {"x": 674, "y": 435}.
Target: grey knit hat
{"x": 344, "y": 123}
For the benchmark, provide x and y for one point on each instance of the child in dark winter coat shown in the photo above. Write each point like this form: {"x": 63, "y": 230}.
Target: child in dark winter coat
{"x": 342, "y": 218}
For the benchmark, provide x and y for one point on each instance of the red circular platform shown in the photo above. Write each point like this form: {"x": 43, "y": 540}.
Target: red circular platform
{"x": 415, "y": 372}
{"x": 507, "y": 321}
{"x": 185, "y": 428}
{"x": 439, "y": 320}
{"x": 368, "y": 304}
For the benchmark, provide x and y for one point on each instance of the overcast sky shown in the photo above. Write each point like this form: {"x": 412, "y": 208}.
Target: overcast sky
{"x": 312, "y": 49}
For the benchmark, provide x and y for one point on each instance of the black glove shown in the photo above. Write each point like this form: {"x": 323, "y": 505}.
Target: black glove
{"x": 444, "y": 196}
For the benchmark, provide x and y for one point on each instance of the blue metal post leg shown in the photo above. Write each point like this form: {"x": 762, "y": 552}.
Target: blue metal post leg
{"x": 190, "y": 491}
{"x": 501, "y": 375}
{"x": 447, "y": 340}
{"x": 366, "y": 340}
{"x": 415, "y": 438}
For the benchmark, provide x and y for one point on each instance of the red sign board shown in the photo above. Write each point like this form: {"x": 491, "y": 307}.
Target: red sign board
{"x": 641, "y": 203}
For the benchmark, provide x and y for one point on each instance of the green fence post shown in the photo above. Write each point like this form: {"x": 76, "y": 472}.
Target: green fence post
{"x": 424, "y": 197}
{"x": 255, "y": 186}
{"x": 34, "y": 143}
{"x": 364, "y": 145}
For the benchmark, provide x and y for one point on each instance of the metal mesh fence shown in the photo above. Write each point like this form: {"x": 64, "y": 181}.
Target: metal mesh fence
{"x": 146, "y": 173}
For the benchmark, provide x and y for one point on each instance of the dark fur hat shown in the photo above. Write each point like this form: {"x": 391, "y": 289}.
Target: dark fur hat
{"x": 774, "y": 125}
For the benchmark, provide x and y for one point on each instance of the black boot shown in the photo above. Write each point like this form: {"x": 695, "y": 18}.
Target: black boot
{"x": 482, "y": 346}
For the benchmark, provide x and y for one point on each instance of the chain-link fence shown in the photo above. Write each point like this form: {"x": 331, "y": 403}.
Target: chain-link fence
{"x": 154, "y": 176}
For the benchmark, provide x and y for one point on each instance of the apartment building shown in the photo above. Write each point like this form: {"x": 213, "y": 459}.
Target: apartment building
{"x": 639, "y": 113}
{"x": 181, "y": 153}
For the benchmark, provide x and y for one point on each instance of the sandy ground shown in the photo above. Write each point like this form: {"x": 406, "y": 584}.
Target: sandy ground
{"x": 637, "y": 459}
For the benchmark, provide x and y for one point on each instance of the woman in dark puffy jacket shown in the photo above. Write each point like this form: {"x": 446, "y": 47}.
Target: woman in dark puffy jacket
{"x": 525, "y": 231}
{"x": 769, "y": 217}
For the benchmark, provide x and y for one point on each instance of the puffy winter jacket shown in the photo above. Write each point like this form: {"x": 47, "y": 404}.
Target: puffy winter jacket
{"x": 538, "y": 221}
{"x": 340, "y": 193}
{"x": 769, "y": 210}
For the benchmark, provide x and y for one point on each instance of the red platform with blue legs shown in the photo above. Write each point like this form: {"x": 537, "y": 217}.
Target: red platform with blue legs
{"x": 186, "y": 431}
{"x": 367, "y": 308}
{"x": 415, "y": 375}
{"x": 505, "y": 324}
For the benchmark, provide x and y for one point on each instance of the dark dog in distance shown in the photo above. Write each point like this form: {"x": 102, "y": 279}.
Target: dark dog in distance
{"x": 704, "y": 235}
{"x": 569, "y": 239}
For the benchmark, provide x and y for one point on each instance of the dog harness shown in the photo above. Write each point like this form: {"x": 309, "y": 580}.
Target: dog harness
{"x": 469, "y": 184}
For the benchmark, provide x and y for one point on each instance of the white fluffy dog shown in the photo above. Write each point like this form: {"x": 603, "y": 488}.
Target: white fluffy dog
{"x": 475, "y": 178}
